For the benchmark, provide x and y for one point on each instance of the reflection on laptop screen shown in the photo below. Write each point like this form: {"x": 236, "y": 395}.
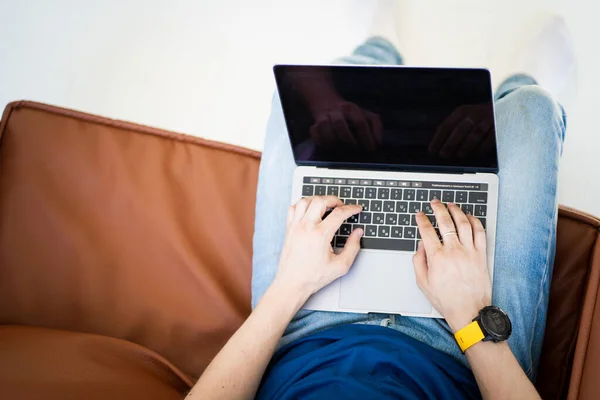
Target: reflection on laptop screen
{"x": 389, "y": 116}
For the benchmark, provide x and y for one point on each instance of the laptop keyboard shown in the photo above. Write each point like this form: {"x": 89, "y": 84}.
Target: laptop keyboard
{"x": 390, "y": 207}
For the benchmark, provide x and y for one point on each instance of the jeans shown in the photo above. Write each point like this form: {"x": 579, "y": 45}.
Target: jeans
{"x": 530, "y": 133}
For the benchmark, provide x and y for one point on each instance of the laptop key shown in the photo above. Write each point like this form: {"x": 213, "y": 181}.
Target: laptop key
{"x": 356, "y": 226}
{"x": 422, "y": 195}
{"x": 379, "y": 218}
{"x": 413, "y": 220}
{"x": 371, "y": 193}
{"x": 410, "y": 232}
{"x": 383, "y": 193}
{"x": 396, "y": 231}
{"x": 389, "y": 206}
{"x": 482, "y": 221}
{"x": 376, "y": 205}
{"x": 480, "y": 210}
{"x": 401, "y": 206}
{"x": 358, "y": 192}
{"x": 364, "y": 204}
{"x": 391, "y": 219}
{"x": 387, "y": 244}
{"x": 435, "y": 194}
{"x": 432, "y": 219}
{"x": 383, "y": 231}
{"x": 409, "y": 194}
{"x": 426, "y": 208}
{"x": 364, "y": 217}
{"x": 345, "y": 192}
{"x": 448, "y": 196}
{"x": 461, "y": 197}
{"x": 340, "y": 241}
{"x": 307, "y": 190}
{"x": 478, "y": 197}
{"x": 403, "y": 219}
{"x": 467, "y": 208}
{"x": 396, "y": 194}
{"x": 349, "y": 201}
{"x": 371, "y": 230}
{"x": 333, "y": 190}
{"x": 414, "y": 207}
{"x": 353, "y": 219}
{"x": 320, "y": 190}
{"x": 345, "y": 229}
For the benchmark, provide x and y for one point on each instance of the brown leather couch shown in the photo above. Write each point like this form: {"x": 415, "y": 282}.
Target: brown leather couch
{"x": 125, "y": 262}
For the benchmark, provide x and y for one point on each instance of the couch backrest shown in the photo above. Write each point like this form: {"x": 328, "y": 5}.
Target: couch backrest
{"x": 145, "y": 235}
{"x": 125, "y": 231}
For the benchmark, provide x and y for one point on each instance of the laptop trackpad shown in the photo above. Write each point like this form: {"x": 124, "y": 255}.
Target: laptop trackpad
{"x": 383, "y": 282}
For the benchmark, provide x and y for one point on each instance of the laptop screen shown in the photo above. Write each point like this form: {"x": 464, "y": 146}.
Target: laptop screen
{"x": 389, "y": 117}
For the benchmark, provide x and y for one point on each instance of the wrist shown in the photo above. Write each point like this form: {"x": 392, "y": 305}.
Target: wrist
{"x": 459, "y": 320}
{"x": 289, "y": 293}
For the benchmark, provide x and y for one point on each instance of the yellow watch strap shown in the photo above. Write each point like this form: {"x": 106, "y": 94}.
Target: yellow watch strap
{"x": 469, "y": 335}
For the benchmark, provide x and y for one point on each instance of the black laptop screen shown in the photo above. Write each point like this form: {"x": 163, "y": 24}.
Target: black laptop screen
{"x": 389, "y": 117}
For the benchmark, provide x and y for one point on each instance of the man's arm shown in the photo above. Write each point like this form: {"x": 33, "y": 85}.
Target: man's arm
{"x": 307, "y": 264}
{"x": 453, "y": 275}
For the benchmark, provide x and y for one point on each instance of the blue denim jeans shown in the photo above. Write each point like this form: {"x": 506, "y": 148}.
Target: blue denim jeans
{"x": 530, "y": 133}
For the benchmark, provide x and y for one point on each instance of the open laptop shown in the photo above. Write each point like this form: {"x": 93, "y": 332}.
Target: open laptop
{"x": 391, "y": 139}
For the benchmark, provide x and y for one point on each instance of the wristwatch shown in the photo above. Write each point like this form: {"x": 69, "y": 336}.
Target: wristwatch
{"x": 492, "y": 323}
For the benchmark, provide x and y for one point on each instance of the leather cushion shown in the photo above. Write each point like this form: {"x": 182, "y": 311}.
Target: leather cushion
{"x": 51, "y": 364}
{"x": 125, "y": 231}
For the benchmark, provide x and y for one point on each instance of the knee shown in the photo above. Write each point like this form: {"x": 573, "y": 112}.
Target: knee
{"x": 541, "y": 116}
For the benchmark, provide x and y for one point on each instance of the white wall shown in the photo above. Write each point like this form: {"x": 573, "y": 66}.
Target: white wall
{"x": 204, "y": 67}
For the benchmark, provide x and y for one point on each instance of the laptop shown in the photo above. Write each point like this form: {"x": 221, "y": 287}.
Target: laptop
{"x": 390, "y": 138}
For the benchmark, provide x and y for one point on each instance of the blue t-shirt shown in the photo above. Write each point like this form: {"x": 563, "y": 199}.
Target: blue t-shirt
{"x": 364, "y": 362}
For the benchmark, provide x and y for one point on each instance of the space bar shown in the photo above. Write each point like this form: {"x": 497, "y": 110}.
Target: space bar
{"x": 387, "y": 244}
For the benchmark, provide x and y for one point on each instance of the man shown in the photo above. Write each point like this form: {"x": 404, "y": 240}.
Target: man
{"x": 346, "y": 355}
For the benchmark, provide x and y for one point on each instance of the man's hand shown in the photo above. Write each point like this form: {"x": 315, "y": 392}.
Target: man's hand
{"x": 307, "y": 261}
{"x": 468, "y": 131}
{"x": 453, "y": 274}
{"x": 344, "y": 125}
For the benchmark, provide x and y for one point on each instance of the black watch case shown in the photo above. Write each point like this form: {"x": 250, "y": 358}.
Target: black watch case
{"x": 494, "y": 323}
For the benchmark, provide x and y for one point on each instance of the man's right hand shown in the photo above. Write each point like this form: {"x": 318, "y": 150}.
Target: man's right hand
{"x": 453, "y": 274}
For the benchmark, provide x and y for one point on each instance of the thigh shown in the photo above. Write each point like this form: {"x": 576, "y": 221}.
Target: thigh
{"x": 530, "y": 129}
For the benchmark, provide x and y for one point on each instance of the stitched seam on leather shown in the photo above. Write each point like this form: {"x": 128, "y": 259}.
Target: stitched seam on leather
{"x": 135, "y": 127}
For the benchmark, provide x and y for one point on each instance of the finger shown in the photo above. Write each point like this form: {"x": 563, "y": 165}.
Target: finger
{"x": 462, "y": 224}
{"x": 444, "y": 130}
{"x": 337, "y": 217}
{"x": 457, "y": 138}
{"x": 444, "y": 222}
{"x": 319, "y": 205}
{"x": 376, "y": 126}
{"x": 421, "y": 269}
{"x": 350, "y": 251}
{"x": 364, "y": 135}
{"x": 300, "y": 208}
{"x": 478, "y": 233}
{"x": 473, "y": 140}
{"x": 429, "y": 237}
{"x": 290, "y": 215}
{"x": 341, "y": 129}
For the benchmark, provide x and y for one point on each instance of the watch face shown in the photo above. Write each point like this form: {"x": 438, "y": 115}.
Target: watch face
{"x": 496, "y": 323}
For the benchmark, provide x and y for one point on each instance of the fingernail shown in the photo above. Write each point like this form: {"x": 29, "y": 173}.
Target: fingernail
{"x": 451, "y": 204}
{"x": 360, "y": 232}
{"x": 435, "y": 201}
{"x": 420, "y": 213}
